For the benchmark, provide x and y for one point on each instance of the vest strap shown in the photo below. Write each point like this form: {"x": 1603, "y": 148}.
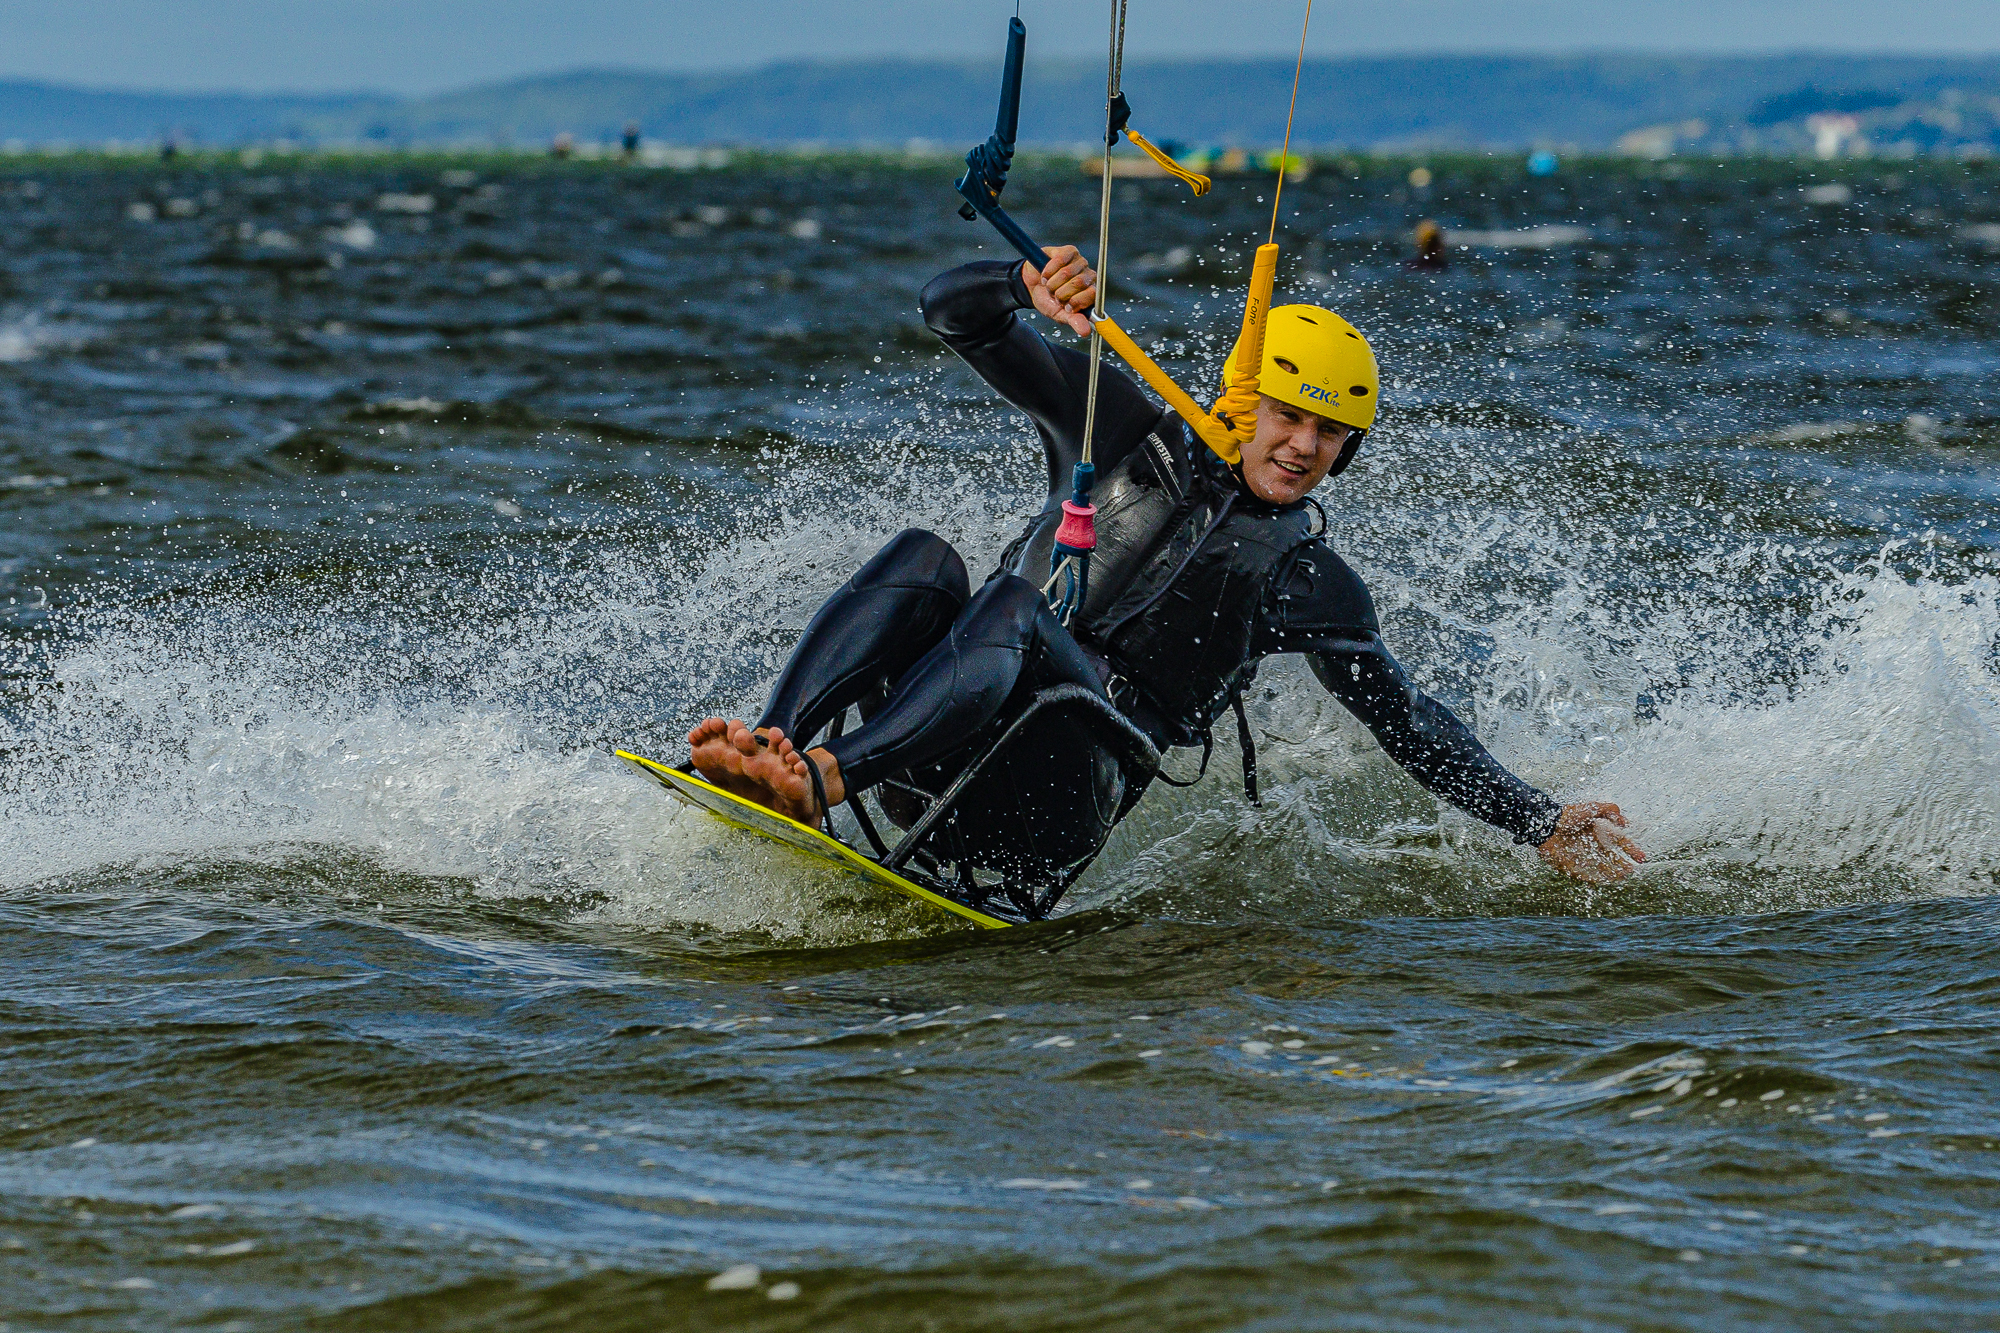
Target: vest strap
{"x": 1207, "y": 749}
{"x": 1249, "y": 748}
{"x": 1244, "y": 741}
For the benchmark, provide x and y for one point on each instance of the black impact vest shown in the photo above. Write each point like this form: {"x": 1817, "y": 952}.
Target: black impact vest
{"x": 1178, "y": 582}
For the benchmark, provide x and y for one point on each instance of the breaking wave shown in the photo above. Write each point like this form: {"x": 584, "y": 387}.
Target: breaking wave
{"x": 1772, "y": 753}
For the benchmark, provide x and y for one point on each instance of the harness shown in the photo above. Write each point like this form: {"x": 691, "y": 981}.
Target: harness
{"x": 1183, "y": 567}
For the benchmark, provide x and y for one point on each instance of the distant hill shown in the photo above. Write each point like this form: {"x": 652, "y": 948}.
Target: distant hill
{"x": 1587, "y": 101}
{"x": 44, "y": 113}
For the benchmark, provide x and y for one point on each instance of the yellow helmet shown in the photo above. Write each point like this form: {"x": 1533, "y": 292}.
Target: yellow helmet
{"x": 1319, "y": 363}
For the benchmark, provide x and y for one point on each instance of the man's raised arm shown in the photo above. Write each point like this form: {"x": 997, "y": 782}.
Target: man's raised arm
{"x": 973, "y": 309}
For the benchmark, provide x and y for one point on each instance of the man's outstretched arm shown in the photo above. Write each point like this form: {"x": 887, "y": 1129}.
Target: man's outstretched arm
{"x": 1427, "y": 740}
{"x": 1325, "y": 612}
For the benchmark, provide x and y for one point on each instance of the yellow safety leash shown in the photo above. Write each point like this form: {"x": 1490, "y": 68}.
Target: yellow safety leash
{"x": 1193, "y": 179}
{"x": 1212, "y": 432}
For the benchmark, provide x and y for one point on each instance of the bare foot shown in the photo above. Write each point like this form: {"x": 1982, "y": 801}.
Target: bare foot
{"x": 764, "y": 767}
{"x": 790, "y": 789}
{"x": 717, "y": 760}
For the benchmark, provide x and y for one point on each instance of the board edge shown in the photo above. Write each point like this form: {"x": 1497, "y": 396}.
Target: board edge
{"x": 870, "y": 869}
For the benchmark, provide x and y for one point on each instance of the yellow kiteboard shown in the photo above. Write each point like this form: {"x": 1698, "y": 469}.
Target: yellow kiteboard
{"x": 753, "y": 818}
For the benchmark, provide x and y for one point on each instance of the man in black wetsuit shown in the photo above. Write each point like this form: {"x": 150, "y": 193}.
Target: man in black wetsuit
{"x": 1202, "y": 568}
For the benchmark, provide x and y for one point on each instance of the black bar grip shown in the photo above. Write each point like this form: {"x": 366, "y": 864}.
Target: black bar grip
{"x": 1008, "y": 124}
{"x": 1016, "y": 236}
{"x": 987, "y": 165}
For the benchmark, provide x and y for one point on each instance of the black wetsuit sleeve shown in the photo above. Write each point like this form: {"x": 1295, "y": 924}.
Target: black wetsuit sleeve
{"x": 1322, "y": 609}
{"x": 973, "y": 310}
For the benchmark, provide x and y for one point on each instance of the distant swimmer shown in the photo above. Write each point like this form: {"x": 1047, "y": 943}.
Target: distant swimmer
{"x": 1430, "y": 246}
{"x": 1201, "y": 569}
{"x": 631, "y": 140}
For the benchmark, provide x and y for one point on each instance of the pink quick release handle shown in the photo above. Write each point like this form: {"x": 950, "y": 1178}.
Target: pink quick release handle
{"x": 1079, "y": 527}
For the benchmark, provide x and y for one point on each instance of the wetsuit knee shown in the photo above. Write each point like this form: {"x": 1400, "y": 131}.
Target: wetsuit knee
{"x": 1004, "y": 610}
{"x": 1009, "y": 612}
{"x": 869, "y": 632}
{"x": 914, "y": 558}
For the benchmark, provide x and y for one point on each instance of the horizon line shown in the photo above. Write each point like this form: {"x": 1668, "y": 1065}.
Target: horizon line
{"x": 1087, "y": 62}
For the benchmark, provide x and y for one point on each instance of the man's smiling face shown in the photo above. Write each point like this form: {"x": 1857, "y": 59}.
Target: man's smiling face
{"x": 1291, "y": 452}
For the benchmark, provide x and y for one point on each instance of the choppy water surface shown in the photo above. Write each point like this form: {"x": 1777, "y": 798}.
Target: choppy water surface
{"x": 350, "y": 513}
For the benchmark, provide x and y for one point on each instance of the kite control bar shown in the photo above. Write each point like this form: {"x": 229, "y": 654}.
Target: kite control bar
{"x": 986, "y": 166}
{"x": 985, "y": 177}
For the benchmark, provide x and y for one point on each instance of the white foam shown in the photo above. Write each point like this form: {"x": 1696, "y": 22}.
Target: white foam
{"x": 1884, "y": 756}
{"x": 1543, "y": 237}
{"x": 460, "y": 737}
{"x": 25, "y": 337}
{"x": 461, "y": 730}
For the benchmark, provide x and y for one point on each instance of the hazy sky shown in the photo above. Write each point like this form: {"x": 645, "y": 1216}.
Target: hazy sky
{"x": 417, "y": 46}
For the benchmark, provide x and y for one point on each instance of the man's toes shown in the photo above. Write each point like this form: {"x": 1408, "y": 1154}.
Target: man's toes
{"x": 786, "y": 765}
